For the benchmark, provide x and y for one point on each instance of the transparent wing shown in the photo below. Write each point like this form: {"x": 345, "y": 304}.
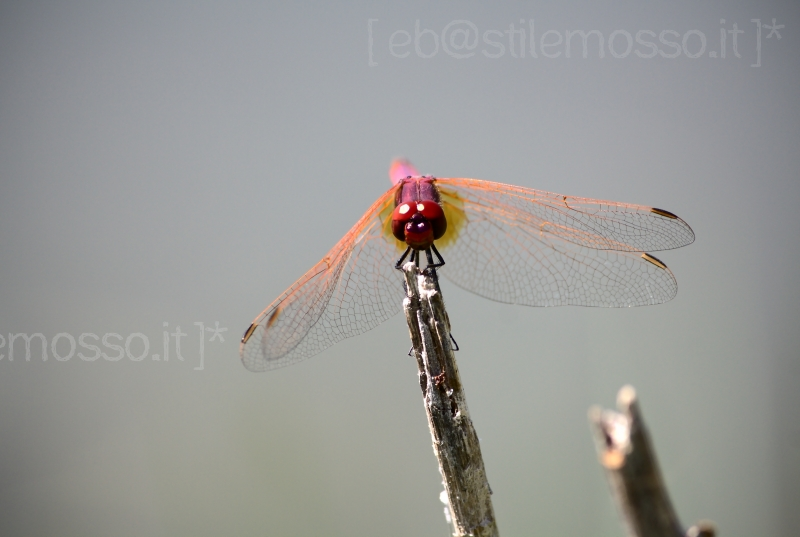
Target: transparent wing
{"x": 525, "y": 246}
{"x": 351, "y": 290}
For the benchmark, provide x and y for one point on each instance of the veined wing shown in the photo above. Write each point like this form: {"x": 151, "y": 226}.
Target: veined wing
{"x": 525, "y": 246}
{"x": 351, "y": 290}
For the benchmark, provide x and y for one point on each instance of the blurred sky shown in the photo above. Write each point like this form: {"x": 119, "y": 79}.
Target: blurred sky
{"x": 185, "y": 162}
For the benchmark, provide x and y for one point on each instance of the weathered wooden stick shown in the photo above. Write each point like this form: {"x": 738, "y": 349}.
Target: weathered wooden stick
{"x": 455, "y": 442}
{"x": 627, "y": 454}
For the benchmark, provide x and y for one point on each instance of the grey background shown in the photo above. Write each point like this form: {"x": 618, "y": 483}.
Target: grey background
{"x": 185, "y": 162}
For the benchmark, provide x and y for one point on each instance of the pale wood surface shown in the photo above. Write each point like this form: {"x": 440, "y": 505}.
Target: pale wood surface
{"x": 627, "y": 454}
{"x": 455, "y": 442}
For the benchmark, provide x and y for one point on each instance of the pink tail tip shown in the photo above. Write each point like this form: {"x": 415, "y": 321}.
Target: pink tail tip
{"x": 400, "y": 169}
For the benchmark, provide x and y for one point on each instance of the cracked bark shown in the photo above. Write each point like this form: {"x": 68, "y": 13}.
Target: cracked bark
{"x": 455, "y": 442}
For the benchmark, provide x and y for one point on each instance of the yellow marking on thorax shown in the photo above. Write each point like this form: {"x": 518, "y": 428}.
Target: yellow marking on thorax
{"x": 453, "y": 207}
{"x": 385, "y": 216}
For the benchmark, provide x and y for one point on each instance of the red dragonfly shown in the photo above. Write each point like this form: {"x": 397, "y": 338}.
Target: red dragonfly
{"x": 506, "y": 243}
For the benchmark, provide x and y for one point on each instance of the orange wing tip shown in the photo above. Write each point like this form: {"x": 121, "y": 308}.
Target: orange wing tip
{"x": 249, "y": 332}
{"x": 654, "y": 260}
{"x": 662, "y": 212}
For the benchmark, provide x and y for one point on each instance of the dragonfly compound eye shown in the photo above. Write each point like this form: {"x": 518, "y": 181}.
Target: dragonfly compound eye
{"x": 433, "y": 212}
{"x": 402, "y": 214}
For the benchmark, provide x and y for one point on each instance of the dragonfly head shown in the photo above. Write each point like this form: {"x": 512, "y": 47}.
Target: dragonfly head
{"x": 418, "y": 223}
{"x": 418, "y": 232}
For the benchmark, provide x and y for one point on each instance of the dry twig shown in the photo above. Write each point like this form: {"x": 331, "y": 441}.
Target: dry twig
{"x": 627, "y": 454}
{"x": 455, "y": 442}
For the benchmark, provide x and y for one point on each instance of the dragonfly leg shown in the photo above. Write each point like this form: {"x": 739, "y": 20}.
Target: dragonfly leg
{"x": 441, "y": 259}
{"x": 399, "y": 264}
{"x": 454, "y": 342}
{"x": 432, "y": 266}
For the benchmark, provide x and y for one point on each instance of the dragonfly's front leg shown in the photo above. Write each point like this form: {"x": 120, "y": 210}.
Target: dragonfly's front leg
{"x": 399, "y": 264}
{"x": 432, "y": 266}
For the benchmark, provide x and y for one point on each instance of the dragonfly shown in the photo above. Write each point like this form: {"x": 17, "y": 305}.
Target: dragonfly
{"x": 506, "y": 243}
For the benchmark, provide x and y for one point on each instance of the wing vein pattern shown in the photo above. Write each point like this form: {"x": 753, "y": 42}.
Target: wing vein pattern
{"x": 506, "y": 243}
{"x": 351, "y": 290}
{"x": 537, "y": 248}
